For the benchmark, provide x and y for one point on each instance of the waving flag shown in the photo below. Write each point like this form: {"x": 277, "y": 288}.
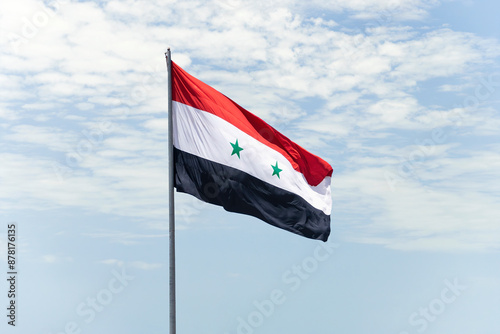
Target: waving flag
{"x": 227, "y": 156}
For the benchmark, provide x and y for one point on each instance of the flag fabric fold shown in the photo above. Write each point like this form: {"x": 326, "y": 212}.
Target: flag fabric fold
{"x": 225, "y": 155}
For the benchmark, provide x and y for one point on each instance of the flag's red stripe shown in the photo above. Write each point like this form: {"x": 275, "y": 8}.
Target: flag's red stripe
{"x": 191, "y": 91}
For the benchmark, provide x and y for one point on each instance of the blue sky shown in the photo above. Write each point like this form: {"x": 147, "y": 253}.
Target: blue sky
{"x": 401, "y": 97}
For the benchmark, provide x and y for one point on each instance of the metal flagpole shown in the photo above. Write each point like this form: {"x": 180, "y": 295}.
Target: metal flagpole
{"x": 171, "y": 207}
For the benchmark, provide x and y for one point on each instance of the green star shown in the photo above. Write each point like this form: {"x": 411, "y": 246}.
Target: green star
{"x": 236, "y": 149}
{"x": 276, "y": 170}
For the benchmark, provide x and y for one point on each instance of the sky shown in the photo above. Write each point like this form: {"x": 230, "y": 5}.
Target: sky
{"x": 401, "y": 97}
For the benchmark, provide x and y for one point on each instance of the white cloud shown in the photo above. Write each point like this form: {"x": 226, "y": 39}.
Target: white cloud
{"x": 126, "y": 238}
{"x": 158, "y": 125}
{"x": 445, "y": 204}
{"x": 51, "y": 258}
{"x": 454, "y": 88}
{"x": 133, "y": 264}
{"x": 145, "y": 265}
{"x": 52, "y": 138}
{"x": 7, "y": 114}
{"x": 112, "y": 262}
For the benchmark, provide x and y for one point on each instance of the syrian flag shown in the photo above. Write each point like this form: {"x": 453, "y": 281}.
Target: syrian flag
{"x": 227, "y": 156}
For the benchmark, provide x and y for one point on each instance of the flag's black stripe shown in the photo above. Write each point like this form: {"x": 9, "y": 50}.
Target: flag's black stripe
{"x": 240, "y": 192}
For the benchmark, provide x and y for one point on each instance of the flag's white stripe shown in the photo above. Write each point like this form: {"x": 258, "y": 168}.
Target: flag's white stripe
{"x": 208, "y": 136}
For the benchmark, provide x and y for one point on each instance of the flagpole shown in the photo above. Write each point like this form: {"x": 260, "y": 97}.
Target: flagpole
{"x": 171, "y": 207}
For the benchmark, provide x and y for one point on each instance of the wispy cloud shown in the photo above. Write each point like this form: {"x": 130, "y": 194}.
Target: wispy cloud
{"x": 52, "y": 259}
{"x": 125, "y": 238}
{"x": 445, "y": 203}
{"x": 132, "y": 264}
